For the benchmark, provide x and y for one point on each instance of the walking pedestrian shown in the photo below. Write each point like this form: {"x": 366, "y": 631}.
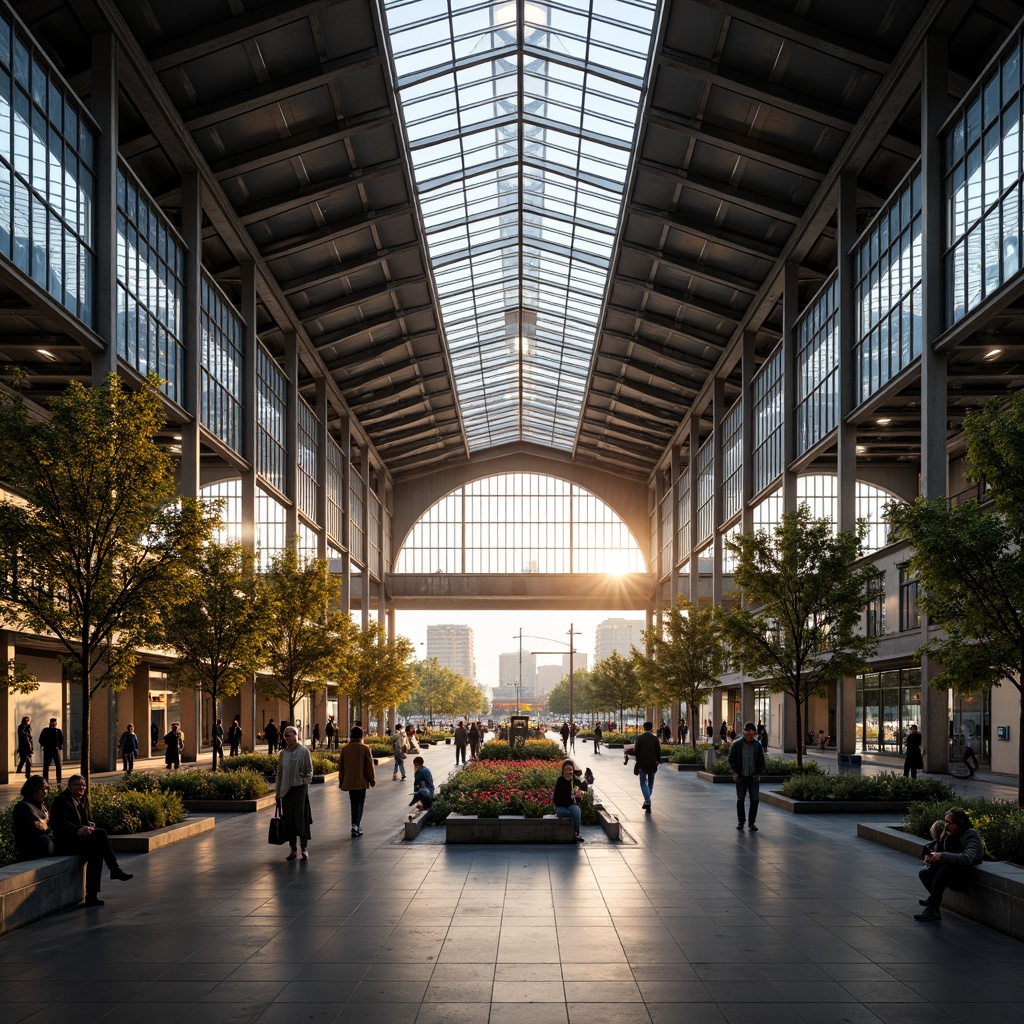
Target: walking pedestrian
{"x": 746, "y": 758}
{"x": 598, "y": 736}
{"x": 331, "y": 732}
{"x": 175, "y": 742}
{"x": 355, "y": 775}
{"x": 270, "y": 734}
{"x": 461, "y": 742}
{"x": 235, "y": 736}
{"x": 129, "y": 748}
{"x": 398, "y": 746}
{"x": 294, "y": 774}
{"x": 913, "y": 760}
{"x": 647, "y": 751}
{"x": 25, "y": 746}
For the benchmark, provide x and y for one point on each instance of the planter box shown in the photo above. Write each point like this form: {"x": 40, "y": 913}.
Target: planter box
{"x": 711, "y": 777}
{"x": 996, "y": 896}
{"x": 147, "y": 842}
{"x": 685, "y": 768}
{"x": 786, "y": 803}
{"x": 507, "y": 828}
{"x": 415, "y": 825}
{"x": 609, "y": 822}
{"x": 222, "y": 806}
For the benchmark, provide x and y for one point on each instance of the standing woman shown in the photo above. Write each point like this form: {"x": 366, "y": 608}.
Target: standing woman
{"x": 355, "y": 774}
{"x": 294, "y": 772}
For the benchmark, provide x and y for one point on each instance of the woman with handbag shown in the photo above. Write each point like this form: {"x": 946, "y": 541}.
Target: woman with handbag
{"x": 294, "y": 774}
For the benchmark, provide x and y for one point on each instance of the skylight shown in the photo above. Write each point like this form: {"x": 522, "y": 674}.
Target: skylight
{"x": 521, "y": 116}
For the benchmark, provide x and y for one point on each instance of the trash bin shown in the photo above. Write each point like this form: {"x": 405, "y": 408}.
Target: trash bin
{"x": 710, "y": 757}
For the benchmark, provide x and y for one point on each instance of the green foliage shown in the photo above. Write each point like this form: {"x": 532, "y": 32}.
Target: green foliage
{"x": 537, "y": 750}
{"x": 801, "y": 599}
{"x": 124, "y": 811}
{"x": 378, "y": 671}
{"x": 619, "y": 739}
{"x": 308, "y": 643}
{"x": 439, "y": 690}
{"x": 17, "y": 678}
{"x": 999, "y": 822}
{"x": 689, "y": 755}
{"x": 615, "y": 685}
{"x": 197, "y": 784}
{"x": 263, "y": 764}
{"x": 101, "y": 542}
{"x": 324, "y": 763}
{"x": 683, "y": 659}
{"x": 7, "y": 836}
{"x": 774, "y": 766}
{"x": 883, "y": 786}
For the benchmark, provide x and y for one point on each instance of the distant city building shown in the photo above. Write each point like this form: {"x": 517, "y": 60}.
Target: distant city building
{"x": 548, "y": 677}
{"x": 509, "y": 672}
{"x": 617, "y": 635}
{"x": 453, "y": 647}
{"x": 579, "y": 661}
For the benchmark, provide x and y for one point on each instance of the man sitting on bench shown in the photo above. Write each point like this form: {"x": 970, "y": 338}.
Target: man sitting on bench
{"x": 949, "y": 861}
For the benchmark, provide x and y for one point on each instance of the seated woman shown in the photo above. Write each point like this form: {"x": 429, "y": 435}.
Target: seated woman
{"x": 31, "y": 821}
{"x": 566, "y": 799}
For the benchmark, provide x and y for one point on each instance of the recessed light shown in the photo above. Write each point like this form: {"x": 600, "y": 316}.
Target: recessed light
{"x": 861, "y": 449}
{"x": 177, "y": 437}
{"x": 884, "y": 421}
{"x": 48, "y": 355}
{"x": 993, "y": 352}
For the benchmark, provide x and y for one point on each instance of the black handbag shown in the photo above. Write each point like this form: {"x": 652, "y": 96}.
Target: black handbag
{"x": 275, "y": 835}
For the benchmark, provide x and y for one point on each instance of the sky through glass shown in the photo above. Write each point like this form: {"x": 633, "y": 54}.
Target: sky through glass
{"x": 521, "y": 117}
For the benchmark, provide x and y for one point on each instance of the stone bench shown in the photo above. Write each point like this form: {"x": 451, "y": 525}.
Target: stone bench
{"x": 34, "y": 889}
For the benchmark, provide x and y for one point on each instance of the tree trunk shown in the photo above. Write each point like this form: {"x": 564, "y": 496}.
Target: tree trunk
{"x": 86, "y": 697}
{"x": 799, "y": 733}
{"x": 1020, "y": 743}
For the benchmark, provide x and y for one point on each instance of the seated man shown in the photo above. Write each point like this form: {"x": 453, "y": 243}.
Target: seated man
{"x": 949, "y": 861}
{"x": 422, "y": 786}
{"x": 74, "y": 831}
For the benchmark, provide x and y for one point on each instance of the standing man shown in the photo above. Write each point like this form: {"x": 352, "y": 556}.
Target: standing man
{"x": 913, "y": 761}
{"x": 51, "y": 740}
{"x": 647, "y": 751}
{"x": 746, "y": 758}
{"x": 564, "y": 733}
{"x": 25, "y": 746}
{"x": 129, "y": 748}
{"x": 330, "y": 732}
{"x": 235, "y": 736}
{"x": 598, "y": 736}
{"x": 270, "y": 734}
{"x": 461, "y": 742}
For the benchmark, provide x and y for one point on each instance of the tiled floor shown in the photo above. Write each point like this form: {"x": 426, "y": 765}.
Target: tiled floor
{"x": 694, "y": 922}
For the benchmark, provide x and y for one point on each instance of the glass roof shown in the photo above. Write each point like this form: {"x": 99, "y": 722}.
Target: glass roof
{"x": 521, "y": 116}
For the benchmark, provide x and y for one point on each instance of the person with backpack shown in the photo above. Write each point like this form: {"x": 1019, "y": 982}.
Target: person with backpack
{"x": 129, "y": 748}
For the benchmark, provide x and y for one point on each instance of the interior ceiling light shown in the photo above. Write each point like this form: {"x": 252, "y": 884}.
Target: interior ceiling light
{"x": 993, "y": 352}
{"x": 521, "y": 119}
{"x": 861, "y": 449}
{"x": 46, "y": 354}
{"x": 884, "y": 421}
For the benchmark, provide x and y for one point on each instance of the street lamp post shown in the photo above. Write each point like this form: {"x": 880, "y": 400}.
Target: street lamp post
{"x": 572, "y": 653}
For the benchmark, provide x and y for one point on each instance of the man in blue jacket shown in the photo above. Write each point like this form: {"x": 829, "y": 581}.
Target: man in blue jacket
{"x": 746, "y": 759}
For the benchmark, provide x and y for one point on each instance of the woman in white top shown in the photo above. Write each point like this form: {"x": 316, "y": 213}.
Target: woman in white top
{"x": 294, "y": 773}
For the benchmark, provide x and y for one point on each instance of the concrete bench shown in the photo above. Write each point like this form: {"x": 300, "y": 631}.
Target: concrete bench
{"x": 34, "y": 889}
{"x": 511, "y": 828}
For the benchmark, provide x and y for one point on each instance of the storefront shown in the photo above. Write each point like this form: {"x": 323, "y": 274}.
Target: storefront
{"x": 888, "y": 703}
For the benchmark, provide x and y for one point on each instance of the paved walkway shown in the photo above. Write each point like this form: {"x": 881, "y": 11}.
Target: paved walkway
{"x": 691, "y": 921}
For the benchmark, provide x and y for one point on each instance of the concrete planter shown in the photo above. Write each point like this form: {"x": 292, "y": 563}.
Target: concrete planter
{"x": 684, "y": 767}
{"x": 223, "y": 806}
{"x": 786, "y": 803}
{"x": 34, "y": 889}
{"x": 711, "y": 777}
{"x": 996, "y": 896}
{"x": 147, "y": 842}
{"x": 507, "y": 828}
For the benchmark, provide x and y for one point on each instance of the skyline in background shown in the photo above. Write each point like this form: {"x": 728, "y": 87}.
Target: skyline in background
{"x": 496, "y": 633}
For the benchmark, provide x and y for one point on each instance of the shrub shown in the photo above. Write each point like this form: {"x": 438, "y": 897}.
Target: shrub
{"x": 491, "y": 788}
{"x": 324, "y": 763}
{"x": 999, "y": 822}
{"x": 125, "y": 811}
{"x": 688, "y": 755}
{"x": 536, "y": 750}
{"x": 265, "y": 764}
{"x": 6, "y": 836}
{"x": 883, "y": 786}
{"x": 774, "y": 766}
{"x": 238, "y": 784}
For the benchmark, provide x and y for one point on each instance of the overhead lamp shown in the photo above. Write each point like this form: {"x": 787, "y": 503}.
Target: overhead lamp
{"x": 48, "y": 355}
{"x": 884, "y": 421}
{"x": 861, "y": 449}
{"x": 993, "y": 352}
{"x": 177, "y": 437}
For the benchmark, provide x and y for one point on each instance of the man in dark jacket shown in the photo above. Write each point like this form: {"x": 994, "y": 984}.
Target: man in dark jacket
{"x": 647, "y": 751}
{"x": 270, "y": 734}
{"x": 746, "y": 759}
{"x": 51, "y": 741}
{"x": 74, "y": 831}
{"x": 25, "y": 746}
{"x": 461, "y": 742}
{"x": 235, "y": 737}
{"x": 949, "y": 861}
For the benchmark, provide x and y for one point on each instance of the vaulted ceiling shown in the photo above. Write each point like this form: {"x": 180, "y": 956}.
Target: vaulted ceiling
{"x": 290, "y": 113}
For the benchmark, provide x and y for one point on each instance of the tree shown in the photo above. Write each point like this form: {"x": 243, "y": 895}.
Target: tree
{"x": 308, "y": 643}
{"x": 582, "y": 698}
{"x": 970, "y": 563}
{"x": 97, "y": 546}
{"x": 221, "y": 631}
{"x": 797, "y": 622}
{"x": 683, "y": 658}
{"x": 379, "y": 671}
{"x": 616, "y": 684}
{"x": 433, "y": 683}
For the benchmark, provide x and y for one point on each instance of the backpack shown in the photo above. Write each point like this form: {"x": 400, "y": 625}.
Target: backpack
{"x": 588, "y": 777}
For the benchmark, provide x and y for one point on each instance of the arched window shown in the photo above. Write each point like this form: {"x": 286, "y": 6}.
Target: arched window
{"x": 520, "y": 522}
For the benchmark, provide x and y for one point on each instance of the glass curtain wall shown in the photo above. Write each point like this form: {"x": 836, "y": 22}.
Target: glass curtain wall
{"x": 271, "y": 528}
{"x": 150, "y": 288}
{"x": 271, "y": 412}
{"x": 888, "y": 703}
{"x": 220, "y": 350}
{"x": 768, "y": 418}
{"x": 229, "y": 492}
{"x": 683, "y": 514}
{"x": 335, "y": 492}
{"x": 308, "y": 455}
{"x": 47, "y": 175}
{"x": 817, "y": 368}
{"x": 705, "y": 466}
{"x": 732, "y": 462}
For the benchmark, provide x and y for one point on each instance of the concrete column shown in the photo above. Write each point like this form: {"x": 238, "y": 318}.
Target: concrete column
{"x": 103, "y": 107}
{"x": 675, "y": 469}
{"x": 8, "y": 712}
{"x": 191, "y": 725}
{"x": 247, "y": 713}
{"x": 102, "y": 725}
{"x": 718, "y": 414}
{"x": 322, "y": 412}
{"x": 247, "y": 312}
{"x": 846, "y": 692}
{"x": 747, "y": 703}
{"x": 291, "y": 486}
{"x": 345, "y": 443}
{"x": 694, "y": 532}
{"x": 137, "y": 711}
{"x": 790, "y": 309}
{"x": 192, "y": 236}
{"x": 748, "y": 367}
{"x": 934, "y": 459}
